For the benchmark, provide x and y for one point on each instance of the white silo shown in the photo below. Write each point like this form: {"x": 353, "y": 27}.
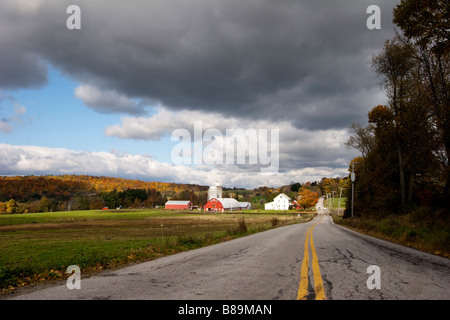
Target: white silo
{"x": 215, "y": 191}
{"x": 219, "y": 190}
{"x": 212, "y": 192}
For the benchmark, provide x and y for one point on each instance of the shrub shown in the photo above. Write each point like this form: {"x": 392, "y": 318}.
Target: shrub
{"x": 275, "y": 222}
{"x": 242, "y": 226}
{"x": 239, "y": 229}
{"x": 189, "y": 241}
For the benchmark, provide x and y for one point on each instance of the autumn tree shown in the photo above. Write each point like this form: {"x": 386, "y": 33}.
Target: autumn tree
{"x": 12, "y": 207}
{"x": 394, "y": 64}
{"x": 325, "y": 186}
{"x": 426, "y": 22}
{"x": 307, "y": 198}
{"x": 403, "y": 138}
{"x": 426, "y": 27}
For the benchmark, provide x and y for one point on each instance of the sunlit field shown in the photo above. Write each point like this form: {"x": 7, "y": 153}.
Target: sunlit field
{"x": 40, "y": 246}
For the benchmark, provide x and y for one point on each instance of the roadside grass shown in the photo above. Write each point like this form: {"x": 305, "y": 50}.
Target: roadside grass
{"x": 421, "y": 229}
{"x": 333, "y": 203}
{"x": 37, "y": 247}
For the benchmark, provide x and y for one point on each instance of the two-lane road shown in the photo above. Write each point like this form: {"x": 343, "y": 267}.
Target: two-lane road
{"x": 304, "y": 261}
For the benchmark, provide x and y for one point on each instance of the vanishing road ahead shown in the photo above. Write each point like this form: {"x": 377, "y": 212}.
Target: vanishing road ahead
{"x": 275, "y": 265}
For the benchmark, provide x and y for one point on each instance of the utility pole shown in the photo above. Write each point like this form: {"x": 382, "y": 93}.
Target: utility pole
{"x": 332, "y": 199}
{"x": 352, "y": 177}
{"x": 328, "y": 199}
{"x": 339, "y": 205}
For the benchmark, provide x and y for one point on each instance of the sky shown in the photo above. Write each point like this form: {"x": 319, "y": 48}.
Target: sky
{"x": 107, "y": 99}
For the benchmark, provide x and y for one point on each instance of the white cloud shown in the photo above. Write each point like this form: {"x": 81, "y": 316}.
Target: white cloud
{"x": 107, "y": 101}
{"x": 298, "y": 148}
{"x": 164, "y": 122}
{"x": 23, "y": 160}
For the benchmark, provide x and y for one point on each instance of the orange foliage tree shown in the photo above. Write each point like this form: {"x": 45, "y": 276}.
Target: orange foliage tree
{"x": 307, "y": 198}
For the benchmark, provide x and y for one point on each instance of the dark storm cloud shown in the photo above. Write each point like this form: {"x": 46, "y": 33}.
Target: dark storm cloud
{"x": 302, "y": 61}
{"x": 21, "y": 69}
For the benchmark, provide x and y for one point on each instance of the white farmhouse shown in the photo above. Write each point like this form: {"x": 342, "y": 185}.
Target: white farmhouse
{"x": 281, "y": 202}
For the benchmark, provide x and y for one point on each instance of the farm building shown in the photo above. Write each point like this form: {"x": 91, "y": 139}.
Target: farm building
{"x": 281, "y": 202}
{"x": 223, "y": 204}
{"x": 215, "y": 191}
{"x": 179, "y": 204}
{"x": 245, "y": 205}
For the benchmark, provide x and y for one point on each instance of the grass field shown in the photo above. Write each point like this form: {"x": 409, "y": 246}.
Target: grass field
{"x": 333, "y": 204}
{"x": 40, "y": 246}
{"x": 421, "y": 229}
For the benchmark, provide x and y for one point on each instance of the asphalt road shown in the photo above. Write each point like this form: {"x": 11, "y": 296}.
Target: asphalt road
{"x": 275, "y": 265}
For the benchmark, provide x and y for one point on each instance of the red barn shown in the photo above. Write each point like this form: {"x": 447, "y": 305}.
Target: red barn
{"x": 179, "y": 204}
{"x": 223, "y": 204}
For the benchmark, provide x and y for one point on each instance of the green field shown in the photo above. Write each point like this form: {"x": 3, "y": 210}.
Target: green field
{"x": 333, "y": 203}
{"x": 40, "y": 246}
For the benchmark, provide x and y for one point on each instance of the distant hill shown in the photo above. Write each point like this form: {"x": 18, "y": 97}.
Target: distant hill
{"x": 82, "y": 192}
{"x": 22, "y": 194}
{"x": 62, "y": 187}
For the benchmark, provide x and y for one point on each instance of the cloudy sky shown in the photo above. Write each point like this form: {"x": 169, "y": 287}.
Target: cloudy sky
{"x": 106, "y": 99}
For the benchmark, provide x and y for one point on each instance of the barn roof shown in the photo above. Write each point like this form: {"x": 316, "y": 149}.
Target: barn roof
{"x": 228, "y": 203}
{"x": 244, "y": 204}
{"x": 179, "y": 202}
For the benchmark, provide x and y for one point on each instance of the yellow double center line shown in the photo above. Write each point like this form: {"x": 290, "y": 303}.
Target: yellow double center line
{"x": 318, "y": 283}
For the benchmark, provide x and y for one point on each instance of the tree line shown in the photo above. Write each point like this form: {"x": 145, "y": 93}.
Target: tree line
{"x": 404, "y": 162}
{"x": 26, "y": 194}
{"x": 23, "y": 194}
{"x": 130, "y": 198}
